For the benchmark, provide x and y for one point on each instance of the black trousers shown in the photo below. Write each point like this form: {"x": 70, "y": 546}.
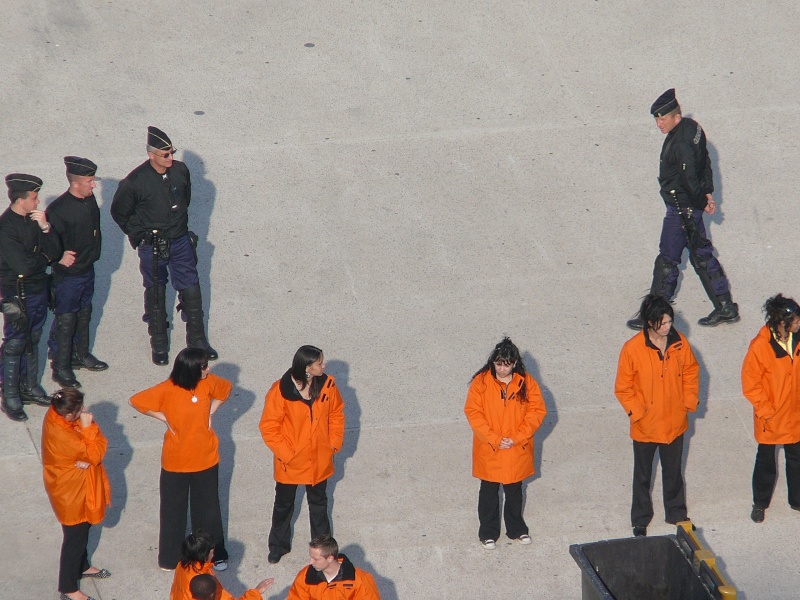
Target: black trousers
{"x": 489, "y": 510}
{"x": 74, "y": 558}
{"x": 280, "y": 536}
{"x": 177, "y": 489}
{"x": 765, "y": 474}
{"x": 670, "y": 456}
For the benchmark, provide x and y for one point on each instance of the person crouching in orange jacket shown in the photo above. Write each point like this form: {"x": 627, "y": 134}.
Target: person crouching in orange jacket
{"x": 504, "y": 407}
{"x": 197, "y": 558}
{"x": 303, "y": 425}
{"x": 657, "y": 383}
{"x": 771, "y": 382}
{"x": 75, "y": 480}
{"x": 331, "y": 576}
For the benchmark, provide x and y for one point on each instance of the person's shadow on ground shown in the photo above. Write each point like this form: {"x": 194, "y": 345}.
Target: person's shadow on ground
{"x": 340, "y": 370}
{"x": 118, "y": 455}
{"x": 239, "y": 402}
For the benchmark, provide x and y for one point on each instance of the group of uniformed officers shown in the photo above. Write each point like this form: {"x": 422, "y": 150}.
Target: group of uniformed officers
{"x": 151, "y": 207}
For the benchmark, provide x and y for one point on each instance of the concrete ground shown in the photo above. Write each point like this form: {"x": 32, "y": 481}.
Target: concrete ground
{"x": 403, "y": 184}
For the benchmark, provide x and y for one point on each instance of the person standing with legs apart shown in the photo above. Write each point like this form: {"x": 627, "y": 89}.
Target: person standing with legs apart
{"x": 657, "y": 383}
{"x": 151, "y": 206}
{"x": 303, "y": 426}
{"x": 186, "y": 403}
{"x": 76, "y": 219}
{"x": 27, "y": 245}
{"x": 73, "y": 448}
{"x": 504, "y": 408}
{"x": 686, "y": 183}
{"x": 771, "y": 382}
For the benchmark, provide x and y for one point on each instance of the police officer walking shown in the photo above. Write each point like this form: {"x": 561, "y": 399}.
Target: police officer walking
{"x": 151, "y": 206}
{"x": 686, "y": 184}
{"x": 76, "y": 219}
{"x": 27, "y": 246}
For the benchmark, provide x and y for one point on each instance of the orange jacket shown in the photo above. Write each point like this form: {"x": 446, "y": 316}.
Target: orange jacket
{"x": 184, "y": 575}
{"x": 657, "y": 394}
{"x": 193, "y": 446}
{"x": 77, "y": 495}
{"x": 302, "y": 438}
{"x": 350, "y": 584}
{"x": 771, "y": 382}
{"x": 492, "y": 418}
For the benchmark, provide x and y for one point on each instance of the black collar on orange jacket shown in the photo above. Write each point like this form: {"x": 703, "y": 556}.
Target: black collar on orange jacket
{"x": 289, "y": 390}
{"x": 672, "y": 338}
{"x": 778, "y": 349}
{"x": 347, "y": 572}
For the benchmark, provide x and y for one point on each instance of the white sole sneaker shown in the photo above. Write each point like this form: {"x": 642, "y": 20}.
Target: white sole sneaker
{"x": 489, "y": 544}
{"x": 524, "y": 539}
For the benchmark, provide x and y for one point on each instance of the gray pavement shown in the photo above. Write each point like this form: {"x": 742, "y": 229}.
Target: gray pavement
{"x": 403, "y": 184}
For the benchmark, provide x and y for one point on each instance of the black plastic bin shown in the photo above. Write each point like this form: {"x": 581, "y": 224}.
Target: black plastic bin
{"x": 639, "y": 568}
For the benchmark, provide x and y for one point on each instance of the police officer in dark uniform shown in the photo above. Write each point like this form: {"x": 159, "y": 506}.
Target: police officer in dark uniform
{"x": 686, "y": 186}
{"x": 76, "y": 219}
{"x": 151, "y": 206}
{"x": 27, "y": 246}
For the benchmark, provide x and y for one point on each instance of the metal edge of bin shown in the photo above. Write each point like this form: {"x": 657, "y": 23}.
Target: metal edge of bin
{"x": 597, "y": 589}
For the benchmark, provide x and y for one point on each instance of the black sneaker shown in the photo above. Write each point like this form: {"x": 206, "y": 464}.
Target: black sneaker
{"x": 757, "y": 514}
{"x": 274, "y": 558}
{"x": 636, "y": 324}
{"x": 640, "y": 531}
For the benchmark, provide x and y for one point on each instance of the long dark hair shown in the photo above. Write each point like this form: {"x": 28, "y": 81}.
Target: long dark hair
{"x": 506, "y": 351}
{"x": 305, "y": 356}
{"x": 195, "y": 549}
{"x": 653, "y": 309}
{"x": 188, "y": 367}
{"x": 780, "y": 310}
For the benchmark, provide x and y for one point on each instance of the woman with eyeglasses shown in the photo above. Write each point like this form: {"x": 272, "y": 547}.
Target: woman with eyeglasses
{"x": 303, "y": 425}
{"x": 504, "y": 408}
{"x": 185, "y": 403}
{"x": 75, "y": 480}
{"x": 771, "y": 382}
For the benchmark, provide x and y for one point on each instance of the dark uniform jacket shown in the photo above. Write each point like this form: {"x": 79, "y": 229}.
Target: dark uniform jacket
{"x": 685, "y": 166}
{"x": 77, "y": 223}
{"x": 146, "y": 200}
{"x": 25, "y": 250}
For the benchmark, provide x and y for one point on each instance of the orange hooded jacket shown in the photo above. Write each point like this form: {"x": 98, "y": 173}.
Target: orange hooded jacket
{"x": 657, "y": 394}
{"x": 493, "y": 418}
{"x": 77, "y": 495}
{"x": 350, "y": 584}
{"x": 303, "y": 436}
{"x": 771, "y": 382}
{"x": 184, "y": 575}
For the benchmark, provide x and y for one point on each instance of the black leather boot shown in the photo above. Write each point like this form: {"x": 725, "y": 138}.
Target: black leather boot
{"x": 727, "y": 311}
{"x": 63, "y": 374}
{"x": 191, "y": 300}
{"x": 29, "y": 389}
{"x": 157, "y": 325}
{"x": 81, "y": 357}
{"x": 11, "y": 404}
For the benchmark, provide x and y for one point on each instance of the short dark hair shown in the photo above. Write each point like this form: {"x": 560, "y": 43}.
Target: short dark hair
{"x": 780, "y": 310}
{"x": 326, "y": 545}
{"x": 188, "y": 367}
{"x": 196, "y": 548}
{"x": 203, "y": 587}
{"x": 653, "y": 309}
{"x": 66, "y": 401}
{"x": 13, "y": 196}
{"x": 305, "y": 356}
